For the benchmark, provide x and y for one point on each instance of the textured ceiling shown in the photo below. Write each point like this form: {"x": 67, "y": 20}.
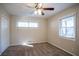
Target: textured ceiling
{"x": 21, "y": 9}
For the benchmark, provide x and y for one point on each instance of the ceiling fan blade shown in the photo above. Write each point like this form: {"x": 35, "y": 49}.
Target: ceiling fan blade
{"x": 36, "y": 5}
{"x": 48, "y": 8}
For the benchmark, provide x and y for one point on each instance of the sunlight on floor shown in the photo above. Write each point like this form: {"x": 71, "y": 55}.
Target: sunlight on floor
{"x": 29, "y": 45}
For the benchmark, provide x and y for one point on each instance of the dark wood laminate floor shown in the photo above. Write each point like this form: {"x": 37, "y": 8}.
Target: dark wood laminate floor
{"x": 40, "y": 49}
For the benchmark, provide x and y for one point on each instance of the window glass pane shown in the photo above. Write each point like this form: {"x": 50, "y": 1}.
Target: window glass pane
{"x": 70, "y": 22}
{"x": 33, "y": 24}
{"x": 22, "y": 24}
{"x": 63, "y": 31}
{"x": 63, "y": 24}
{"x": 70, "y": 32}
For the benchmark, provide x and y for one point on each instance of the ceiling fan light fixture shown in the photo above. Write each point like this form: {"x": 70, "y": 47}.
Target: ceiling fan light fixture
{"x": 35, "y": 12}
{"x": 38, "y": 12}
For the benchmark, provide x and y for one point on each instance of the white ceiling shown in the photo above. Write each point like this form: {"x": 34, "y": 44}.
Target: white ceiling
{"x": 21, "y": 9}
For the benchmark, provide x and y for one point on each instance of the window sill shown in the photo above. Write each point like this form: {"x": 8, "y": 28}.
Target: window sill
{"x": 67, "y": 38}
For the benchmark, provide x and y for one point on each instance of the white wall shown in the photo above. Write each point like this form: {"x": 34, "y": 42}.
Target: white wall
{"x": 53, "y": 32}
{"x": 4, "y": 29}
{"x": 28, "y": 35}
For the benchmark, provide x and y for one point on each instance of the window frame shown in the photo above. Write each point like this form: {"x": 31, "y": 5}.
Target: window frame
{"x": 64, "y": 36}
{"x": 29, "y": 24}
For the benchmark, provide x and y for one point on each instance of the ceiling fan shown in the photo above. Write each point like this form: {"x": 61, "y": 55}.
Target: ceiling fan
{"x": 39, "y": 9}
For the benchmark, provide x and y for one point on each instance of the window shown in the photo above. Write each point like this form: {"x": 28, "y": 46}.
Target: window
{"x": 27, "y": 24}
{"x": 67, "y": 27}
{"x": 22, "y": 24}
{"x": 31, "y": 24}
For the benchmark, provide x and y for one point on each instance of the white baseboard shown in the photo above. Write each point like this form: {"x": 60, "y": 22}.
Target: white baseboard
{"x": 30, "y": 43}
{"x": 63, "y": 49}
